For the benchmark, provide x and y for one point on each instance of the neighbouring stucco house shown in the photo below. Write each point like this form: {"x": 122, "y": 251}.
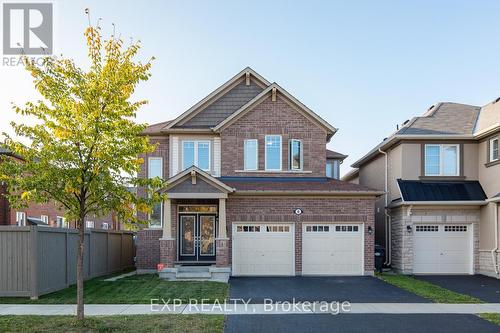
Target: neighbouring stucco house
{"x": 252, "y": 190}
{"x": 46, "y": 214}
{"x": 441, "y": 172}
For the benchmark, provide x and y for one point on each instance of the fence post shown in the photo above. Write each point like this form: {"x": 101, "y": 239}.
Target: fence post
{"x": 66, "y": 234}
{"x": 121, "y": 251}
{"x": 33, "y": 234}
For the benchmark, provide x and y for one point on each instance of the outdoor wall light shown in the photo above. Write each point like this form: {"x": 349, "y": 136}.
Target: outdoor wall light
{"x": 408, "y": 228}
{"x": 370, "y": 230}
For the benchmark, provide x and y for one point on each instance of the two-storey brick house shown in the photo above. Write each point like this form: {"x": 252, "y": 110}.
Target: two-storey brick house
{"x": 252, "y": 190}
{"x": 441, "y": 172}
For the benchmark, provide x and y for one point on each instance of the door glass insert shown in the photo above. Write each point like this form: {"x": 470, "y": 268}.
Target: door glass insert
{"x": 207, "y": 235}
{"x": 188, "y": 233}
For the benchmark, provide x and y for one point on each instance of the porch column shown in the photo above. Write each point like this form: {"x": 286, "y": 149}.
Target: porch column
{"x": 222, "y": 218}
{"x": 222, "y": 257}
{"x": 167, "y": 242}
{"x": 167, "y": 219}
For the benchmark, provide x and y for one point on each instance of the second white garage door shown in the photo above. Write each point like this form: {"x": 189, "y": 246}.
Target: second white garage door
{"x": 263, "y": 249}
{"x": 332, "y": 249}
{"x": 442, "y": 249}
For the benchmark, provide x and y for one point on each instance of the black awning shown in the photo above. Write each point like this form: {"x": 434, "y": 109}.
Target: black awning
{"x": 417, "y": 190}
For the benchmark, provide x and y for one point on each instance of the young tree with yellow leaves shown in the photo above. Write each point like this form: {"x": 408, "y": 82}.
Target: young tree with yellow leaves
{"x": 84, "y": 148}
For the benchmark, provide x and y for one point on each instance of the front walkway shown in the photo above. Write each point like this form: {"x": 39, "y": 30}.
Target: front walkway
{"x": 250, "y": 309}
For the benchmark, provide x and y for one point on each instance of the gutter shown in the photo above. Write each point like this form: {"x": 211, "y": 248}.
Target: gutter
{"x": 310, "y": 193}
{"x": 387, "y": 220}
{"x": 494, "y": 251}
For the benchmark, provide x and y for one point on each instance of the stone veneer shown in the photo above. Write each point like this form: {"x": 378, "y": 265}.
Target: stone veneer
{"x": 402, "y": 240}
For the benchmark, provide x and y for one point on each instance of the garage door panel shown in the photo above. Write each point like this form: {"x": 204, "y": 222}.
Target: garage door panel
{"x": 442, "y": 249}
{"x": 326, "y": 251}
{"x": 268, "y": 252}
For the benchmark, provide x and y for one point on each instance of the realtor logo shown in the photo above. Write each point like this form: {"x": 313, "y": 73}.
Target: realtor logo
{"x": 27, "y": 28}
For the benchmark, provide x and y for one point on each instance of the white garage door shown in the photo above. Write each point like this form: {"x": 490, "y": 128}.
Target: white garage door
{"x": 442, "y": 249}
{"x": 263, "y": 249}
{"x": 332, "y": 249}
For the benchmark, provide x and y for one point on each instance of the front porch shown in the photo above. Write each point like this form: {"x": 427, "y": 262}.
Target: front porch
{"x": 194, "y": 243}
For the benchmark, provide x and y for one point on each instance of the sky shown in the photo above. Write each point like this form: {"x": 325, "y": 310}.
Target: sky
{"x": 364, "y": 66}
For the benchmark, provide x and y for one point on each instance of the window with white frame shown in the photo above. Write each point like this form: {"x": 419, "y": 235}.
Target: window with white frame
{"x": 21, "y": 218}
{"x": 155, "y": 169}
{"x": 442, "y": 160}
{"x": 295, "y": 154}
{"x": 273, "y": 153}
{"x": 105, "y": 225}
{"x": 251, "y": 154}
{"x": 332, "y": 169}
{"x": 45, "y": 219}
{"x": 61, "y": 222}
{"x": 494, "y": 150}
{"x": 90, "y": 224}
{"x": 196, "y": 153}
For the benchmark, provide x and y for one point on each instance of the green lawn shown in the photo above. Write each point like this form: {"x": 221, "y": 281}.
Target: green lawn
{"x": 137, "y": 289}
{"x": 136, "y": 324}
{"x": 427, "y": 290}
{"x": 493, "y": 317}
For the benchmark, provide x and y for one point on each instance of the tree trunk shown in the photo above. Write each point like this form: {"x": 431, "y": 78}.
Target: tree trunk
{"x": 79, "y": 269}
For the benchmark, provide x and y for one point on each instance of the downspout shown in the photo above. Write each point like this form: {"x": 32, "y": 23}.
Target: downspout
{"x": 493, "y": 252}
{"x": 387, "y": 222}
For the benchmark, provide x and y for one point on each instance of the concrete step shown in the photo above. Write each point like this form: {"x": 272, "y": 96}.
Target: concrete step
{"x": 193, "y": 275}
{"x": 182, "y": 269}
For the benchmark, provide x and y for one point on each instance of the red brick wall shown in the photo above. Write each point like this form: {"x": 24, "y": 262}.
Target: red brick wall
{"x": 34, "y": 210}
{"x": 274, "y": 118}
{"x": 148, "y": 248}
{"x": 326, "y": 210}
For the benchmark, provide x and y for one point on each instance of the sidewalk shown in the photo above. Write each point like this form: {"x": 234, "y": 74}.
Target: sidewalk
{"x": 241, "y": 309}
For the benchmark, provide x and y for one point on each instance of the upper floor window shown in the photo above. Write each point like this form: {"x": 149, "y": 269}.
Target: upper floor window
{"x": 442, "y": 160}
{"x": 273, "y": 152}
{"x": 21, "y": 218}
{"x": 251, "y": 153}
{"x": 332, "y": 169}
{"x": 295, "y": 154}
{"x": 105, "y": 225}
{"x": 494, "y": 150}
{"x": 89, "y": 224}
{"x": 196, "y": 153}
{"x": 45, "y": 219}
{"x": 155, "y": 167}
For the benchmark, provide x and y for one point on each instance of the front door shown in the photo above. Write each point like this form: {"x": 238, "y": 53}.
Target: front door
{"x": 197, "y": 237}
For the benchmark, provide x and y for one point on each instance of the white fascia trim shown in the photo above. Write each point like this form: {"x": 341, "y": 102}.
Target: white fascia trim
{"x": 487, "y": 131}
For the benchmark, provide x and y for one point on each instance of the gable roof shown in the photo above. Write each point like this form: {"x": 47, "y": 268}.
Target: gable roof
{"x": 216, "y": 94}
{"x": 442, "y": 121}
{"x": 180, "y": 177}
{"x": 262, "y": 96}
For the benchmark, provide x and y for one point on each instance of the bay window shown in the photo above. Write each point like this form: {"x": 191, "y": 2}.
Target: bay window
{"x": 250, "y": 154}
{"x": 273, "y": 153}
{"x": 196, "y": 153}
{"x": 494, "y": 150}
{"x": 442, "y": 160}
{"x": 295, "y": 154}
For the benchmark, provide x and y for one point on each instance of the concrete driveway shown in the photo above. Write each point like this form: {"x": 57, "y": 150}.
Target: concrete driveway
{"x": 355, "y": 289}
{"x": 483, "y": 287}
{"x": 289, "y": 323}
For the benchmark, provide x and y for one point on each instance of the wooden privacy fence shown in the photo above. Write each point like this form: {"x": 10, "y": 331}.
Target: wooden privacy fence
{"x": 38, "y": 260}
